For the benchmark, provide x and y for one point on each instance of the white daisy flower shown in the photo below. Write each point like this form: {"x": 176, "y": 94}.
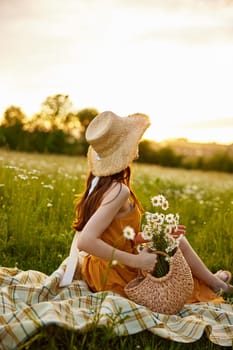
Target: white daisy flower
{"x": 161, "y": 219}
{"x": 147, "y": 235}
{"x": 156, "y": 201}
{"x": 155, "y": 217}
{"x": 165, "y": 205}
{"x": 128, "y": 232}
{"x": 168, "y": 229}
{"x": 157, "y": 228}
{"x": 162, "y": 199}
{"x": 169, "y": 218}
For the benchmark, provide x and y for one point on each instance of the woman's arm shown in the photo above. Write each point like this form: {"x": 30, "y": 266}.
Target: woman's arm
{"x": 90, "y": 237}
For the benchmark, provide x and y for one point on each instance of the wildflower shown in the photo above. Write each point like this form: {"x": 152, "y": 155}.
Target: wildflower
{"x": 128, "y": 232}
{"x": 155, "y": 217}
{"x": 165, "y": 205}
{"x": 146, "y": 233}
{"x": 159, "y": 201}
{"x": 168, "y": 229}
{"x": 158, "y": 231}
{"x": 170, "y": 218}
{"x": 48, "y": 186}
{"x": 49, "y": 204}
{"x": 114, "y": 262}
{"x": 155, "y": 201}
{"x": 22, "y": 177}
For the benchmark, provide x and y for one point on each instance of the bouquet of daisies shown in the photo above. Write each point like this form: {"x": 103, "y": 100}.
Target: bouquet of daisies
{"x": 159, "y": 230}
{"x": 159, "y": 234}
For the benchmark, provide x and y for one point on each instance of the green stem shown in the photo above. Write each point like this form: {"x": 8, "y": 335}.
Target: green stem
{"x": 162, "y": 267}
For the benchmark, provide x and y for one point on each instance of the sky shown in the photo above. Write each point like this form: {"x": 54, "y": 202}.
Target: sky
{"x": 170, "y": 59}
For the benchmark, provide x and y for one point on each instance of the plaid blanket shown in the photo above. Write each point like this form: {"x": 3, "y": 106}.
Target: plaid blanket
{"x": 30, "y": 300}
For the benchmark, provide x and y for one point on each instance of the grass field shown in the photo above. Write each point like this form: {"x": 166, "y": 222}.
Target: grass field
{"x": 37, "y": 194}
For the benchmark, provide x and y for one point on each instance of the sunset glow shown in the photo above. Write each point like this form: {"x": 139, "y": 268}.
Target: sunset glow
{"x": 170, "y": 59}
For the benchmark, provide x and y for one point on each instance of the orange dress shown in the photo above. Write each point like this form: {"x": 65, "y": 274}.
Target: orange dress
{"x": 101, "y": 275}
{"x": 97, "y": 272}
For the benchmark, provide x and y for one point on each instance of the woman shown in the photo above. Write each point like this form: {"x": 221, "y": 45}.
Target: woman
{"x": 109, "y": 204}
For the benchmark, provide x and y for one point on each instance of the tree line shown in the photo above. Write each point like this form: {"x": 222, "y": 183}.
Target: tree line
{"x": 57, "y": 128}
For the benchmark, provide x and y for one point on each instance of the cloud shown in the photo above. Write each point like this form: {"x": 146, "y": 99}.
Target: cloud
{"x": 185, "y": 21}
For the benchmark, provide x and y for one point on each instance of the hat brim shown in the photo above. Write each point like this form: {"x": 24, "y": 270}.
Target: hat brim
{"x": 124, "y": 155}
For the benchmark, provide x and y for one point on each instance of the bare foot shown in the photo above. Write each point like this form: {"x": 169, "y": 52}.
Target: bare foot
{"x": 224, "y": 275}
{"x": 224, "y": 286}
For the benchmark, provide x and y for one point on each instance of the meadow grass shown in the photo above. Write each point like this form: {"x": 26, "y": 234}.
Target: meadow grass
{"x": 37, "y": 194}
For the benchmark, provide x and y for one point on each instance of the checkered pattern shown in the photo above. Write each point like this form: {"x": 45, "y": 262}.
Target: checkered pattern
{"x": 30, "y": 300}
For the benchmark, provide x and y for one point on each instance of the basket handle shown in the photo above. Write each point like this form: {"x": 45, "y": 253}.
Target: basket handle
{"x": 159, "y": 252}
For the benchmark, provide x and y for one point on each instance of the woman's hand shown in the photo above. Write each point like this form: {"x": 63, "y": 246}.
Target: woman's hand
{"x": 181, "y": 230}
{"x": 146, "y": 260}
{"x": 139, "y": 240}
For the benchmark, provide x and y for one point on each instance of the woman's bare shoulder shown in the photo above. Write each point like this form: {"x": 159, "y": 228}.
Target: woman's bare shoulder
{"x": 117, "y": 190}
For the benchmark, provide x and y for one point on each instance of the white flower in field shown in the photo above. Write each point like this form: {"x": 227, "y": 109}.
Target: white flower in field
{"x": 160, "y": 221}
{"x": 9, "y": 167}
{"x": 33, "y": 171}
{"x": 156, "y": 201}
{"x": 165, "y": 205}
{"x": 162, "y": 199}
{"x": 168, "y": 229}
{"x": 155, "y": 217}
{"x": 48, "y": 186}
{"x": 157, "y": 228}
{"x": 22, "y": 177}
{"x": 162, "y": 217}
{"x": 146, "y": 234}
{"x": 128, "y": 232}
{"x": 169, "y": 218}
{"x": 49, "y": 204}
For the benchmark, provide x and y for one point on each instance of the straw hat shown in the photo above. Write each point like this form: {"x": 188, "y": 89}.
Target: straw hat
{"x": 114, "y": 141}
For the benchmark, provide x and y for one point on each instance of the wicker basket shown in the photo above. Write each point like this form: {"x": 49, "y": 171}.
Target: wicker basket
{"x": 166, "y": 294}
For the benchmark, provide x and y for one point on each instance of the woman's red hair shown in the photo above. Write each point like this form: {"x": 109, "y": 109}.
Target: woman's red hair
{"x": 88, "y": 204}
